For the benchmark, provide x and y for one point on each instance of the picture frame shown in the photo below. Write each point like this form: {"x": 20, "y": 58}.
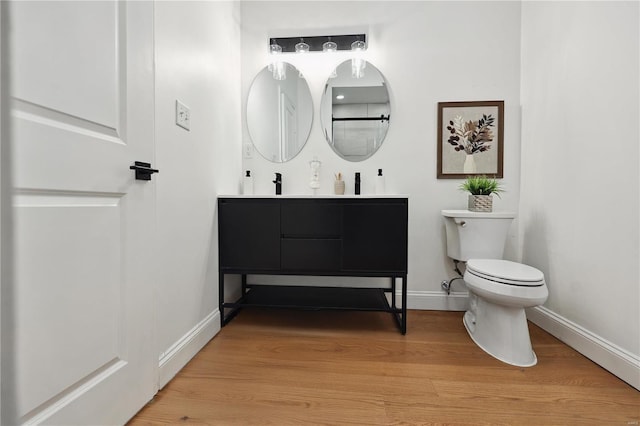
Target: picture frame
{"x": 470, "y": 139}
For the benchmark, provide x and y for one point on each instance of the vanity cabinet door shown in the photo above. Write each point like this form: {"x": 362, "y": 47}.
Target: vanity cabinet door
{"x": 375, "y": 237}
{"x": 249, "y": 234}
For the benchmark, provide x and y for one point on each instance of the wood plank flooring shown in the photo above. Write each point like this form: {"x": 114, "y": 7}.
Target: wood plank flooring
{"x": 272, "y": 367}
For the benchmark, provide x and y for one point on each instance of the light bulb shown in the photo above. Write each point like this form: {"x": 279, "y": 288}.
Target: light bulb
{"x": 329, "y": 47}
{"x": 302, "y": 47}
{"x": 358, "y": 45}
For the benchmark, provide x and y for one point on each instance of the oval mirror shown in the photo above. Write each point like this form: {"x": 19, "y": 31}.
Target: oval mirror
{"x": 355, "y": 110}
{"x": 279, "y": 112}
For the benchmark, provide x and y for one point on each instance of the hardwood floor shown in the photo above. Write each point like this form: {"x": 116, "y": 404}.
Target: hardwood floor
{"x": 270, "y": 367}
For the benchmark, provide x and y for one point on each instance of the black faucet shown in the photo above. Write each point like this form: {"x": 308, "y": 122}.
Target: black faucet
{"x": 278, "y": 183}
{"x": 356, "y": 189}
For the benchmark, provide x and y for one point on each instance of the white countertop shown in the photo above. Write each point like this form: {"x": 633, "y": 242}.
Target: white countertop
{"x": 310, "y": 196}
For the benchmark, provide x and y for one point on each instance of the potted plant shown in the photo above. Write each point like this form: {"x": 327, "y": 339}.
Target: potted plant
{"x": 480, "y": 189}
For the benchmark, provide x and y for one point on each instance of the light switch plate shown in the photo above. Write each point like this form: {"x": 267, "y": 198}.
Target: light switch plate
{"x": 183, "y": 115}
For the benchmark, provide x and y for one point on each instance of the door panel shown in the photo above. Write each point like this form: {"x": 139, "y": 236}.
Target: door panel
{"x": 81, "y": 313}
{"x": 288, "y": 127}
{"x": 82, "y": 114}
{"x": 78, "y": 52}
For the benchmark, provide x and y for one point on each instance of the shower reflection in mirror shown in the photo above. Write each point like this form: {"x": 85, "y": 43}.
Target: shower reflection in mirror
{"x": 355, "y": 111}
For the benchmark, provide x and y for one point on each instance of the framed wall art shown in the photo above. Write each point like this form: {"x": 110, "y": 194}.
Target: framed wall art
{"x": 470, "y": 139}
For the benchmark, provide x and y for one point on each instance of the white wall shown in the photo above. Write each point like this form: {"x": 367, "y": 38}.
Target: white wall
{"x": 197, "y": 62}
{"x": 8, "y": 392}
{"x": 428, "y": 52}
{"x": 580, "y": 173}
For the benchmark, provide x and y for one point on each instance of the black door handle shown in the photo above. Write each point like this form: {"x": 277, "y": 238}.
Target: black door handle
{"x": 143, "y": 170}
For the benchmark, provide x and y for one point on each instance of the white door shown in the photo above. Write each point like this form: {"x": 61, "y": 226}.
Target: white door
{"x": 83, "y": 109}
{"x": 288, "y": 128}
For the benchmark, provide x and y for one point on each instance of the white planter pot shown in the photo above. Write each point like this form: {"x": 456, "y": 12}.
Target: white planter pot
{"x": 480, "y": 203}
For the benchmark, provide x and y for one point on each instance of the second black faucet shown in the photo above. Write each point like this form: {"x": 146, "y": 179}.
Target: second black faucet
{"x": 278, "y": 183}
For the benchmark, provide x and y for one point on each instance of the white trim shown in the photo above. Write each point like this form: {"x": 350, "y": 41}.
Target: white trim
{"x": 180, "y": 353}
{"x": 609, "y": 356}
{"x": 435, "y": 300}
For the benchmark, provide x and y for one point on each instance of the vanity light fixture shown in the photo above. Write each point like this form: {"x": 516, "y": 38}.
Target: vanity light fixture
{"x": 357, "y": 63}
{"x": 327, "y": 43}
{"x": 276, "y": 66}
{"x": 330, "y": 47}
{"x": 279, "y": 70}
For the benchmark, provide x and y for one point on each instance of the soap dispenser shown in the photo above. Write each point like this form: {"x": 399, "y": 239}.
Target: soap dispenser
{"x": 247, "y": 184}
{"x": 356, "y": 187}
{"x": 315, "y": 175}
{"x": 380, "y": 187}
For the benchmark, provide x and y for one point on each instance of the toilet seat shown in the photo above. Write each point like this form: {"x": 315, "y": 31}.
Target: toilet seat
{"x": 505, "y": 272}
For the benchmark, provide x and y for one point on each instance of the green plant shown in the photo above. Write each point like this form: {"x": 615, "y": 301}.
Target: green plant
{"x": 481, "y": 185}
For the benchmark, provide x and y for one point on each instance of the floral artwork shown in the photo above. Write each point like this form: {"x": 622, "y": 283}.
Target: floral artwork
{"x": 470, "y": 139}
{"x": 471, "y": 136}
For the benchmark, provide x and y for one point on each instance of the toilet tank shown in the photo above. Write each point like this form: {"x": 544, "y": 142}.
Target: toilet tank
{"x": 476, "y": 235}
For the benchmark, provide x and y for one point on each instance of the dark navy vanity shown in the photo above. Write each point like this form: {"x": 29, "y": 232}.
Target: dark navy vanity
{"x": 323, "y": 236}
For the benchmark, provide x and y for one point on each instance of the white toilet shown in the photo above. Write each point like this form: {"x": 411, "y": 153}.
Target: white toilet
{"x": 499, "y": 290}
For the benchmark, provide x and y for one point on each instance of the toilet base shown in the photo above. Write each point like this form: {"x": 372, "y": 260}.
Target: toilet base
{"x": 500, "y": 331}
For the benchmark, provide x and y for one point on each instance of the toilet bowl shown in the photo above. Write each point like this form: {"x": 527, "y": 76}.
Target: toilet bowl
{"x": 500, "y": 290}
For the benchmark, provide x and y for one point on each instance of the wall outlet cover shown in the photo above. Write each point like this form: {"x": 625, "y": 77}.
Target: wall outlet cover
{"x": 183, "y": 115}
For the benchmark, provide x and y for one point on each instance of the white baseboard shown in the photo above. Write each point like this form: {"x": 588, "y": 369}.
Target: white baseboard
{"x": 181, "y": 352}
{"x": 435, "y": 300}
{"x": 611, "y": 357}
{"x": 616, "y": 360}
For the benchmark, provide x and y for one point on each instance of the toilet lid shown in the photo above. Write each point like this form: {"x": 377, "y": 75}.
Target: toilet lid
{"x": 505, "y": 272}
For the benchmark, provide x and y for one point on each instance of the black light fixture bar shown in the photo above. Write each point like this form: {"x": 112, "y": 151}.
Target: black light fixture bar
{"x": 315, "y": 42}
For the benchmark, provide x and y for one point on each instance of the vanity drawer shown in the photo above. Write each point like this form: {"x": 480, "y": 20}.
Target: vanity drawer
{"x": 310, "y": 219}
{"x": 307, "y": 254}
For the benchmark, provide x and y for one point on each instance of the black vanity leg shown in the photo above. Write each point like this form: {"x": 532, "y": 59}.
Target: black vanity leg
{"x": 244, "y": 285}
{"x": 404, "y": 304}
{"x": 393, "y": 293}
{"x": 221, "y": 297}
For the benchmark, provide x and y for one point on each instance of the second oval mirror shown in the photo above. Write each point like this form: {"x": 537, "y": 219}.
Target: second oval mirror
{"x": 355, "y": 110}
{"x": 279, "y": 112}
